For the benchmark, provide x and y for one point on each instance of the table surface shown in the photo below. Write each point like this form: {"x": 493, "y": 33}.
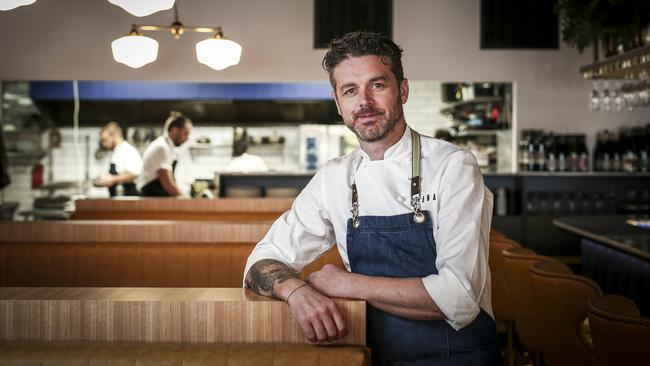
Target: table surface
{"x": 612, "y": 230}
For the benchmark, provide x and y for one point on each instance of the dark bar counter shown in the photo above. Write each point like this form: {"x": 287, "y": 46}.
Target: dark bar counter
{"x": 615, "y": 253}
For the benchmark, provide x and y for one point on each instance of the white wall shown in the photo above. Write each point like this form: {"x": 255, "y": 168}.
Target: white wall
{"x": 67, "y": 39}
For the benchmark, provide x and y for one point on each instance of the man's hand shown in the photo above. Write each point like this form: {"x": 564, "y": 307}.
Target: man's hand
{"x": 105, "y": 181}
{"x": 317, "y": 315}
{"x": 332, "y": 281}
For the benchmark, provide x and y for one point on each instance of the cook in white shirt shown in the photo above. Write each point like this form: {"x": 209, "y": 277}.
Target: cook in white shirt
{"x": 125, "y": 165}
{"x": 157, "y": 178}
{"x": 414, "y": 240}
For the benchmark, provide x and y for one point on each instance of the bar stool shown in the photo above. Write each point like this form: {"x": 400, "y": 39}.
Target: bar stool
{"x": 561, "y": 300}
{"x": 527, "y": 324}
{"x": 501, "y": 299}
{"x": 620, "y": 334}
{"x": 495, "y": 234}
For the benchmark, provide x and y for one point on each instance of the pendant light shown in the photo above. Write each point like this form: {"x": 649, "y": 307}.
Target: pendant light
{"x": 12, "y": 4}
{"x": 142, "y": 8}
{"x": 135, "y": 50}
{"x": 218, "y": 52}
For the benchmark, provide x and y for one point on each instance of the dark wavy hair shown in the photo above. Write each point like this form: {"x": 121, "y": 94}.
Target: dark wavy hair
{"x": 176, "y": 119}
{"x": 362, "y": 43}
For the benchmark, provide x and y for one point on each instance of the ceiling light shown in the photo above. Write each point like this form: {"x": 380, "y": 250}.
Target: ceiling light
{"x": 136, "y": 50}
{"x": 12, "y": 4}
{"x": 218, "y": 52}
{"x": 141, "y": 8}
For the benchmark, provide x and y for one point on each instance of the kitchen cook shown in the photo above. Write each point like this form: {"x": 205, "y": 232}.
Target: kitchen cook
{"x": 125, "y": 164}
{"x": 410, "y": 216}
{"x": 159, "y": 166}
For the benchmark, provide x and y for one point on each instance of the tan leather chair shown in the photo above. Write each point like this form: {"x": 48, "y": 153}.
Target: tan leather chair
{"x": 561, "y": 302}
{"x": 517, "y": 261}
{"x": 97, "y": 353}
{"x": 501, "y": 299}
{"x": 621, "y": 336}
{"x": 495, "y": 234}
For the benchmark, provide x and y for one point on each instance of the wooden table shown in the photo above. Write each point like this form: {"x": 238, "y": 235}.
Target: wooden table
{"x": 179, "y": 315}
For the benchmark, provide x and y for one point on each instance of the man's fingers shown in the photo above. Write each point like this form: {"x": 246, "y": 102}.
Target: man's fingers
{"x": 307, "y": 330}
{"x": 328, "y": 322}
{"x": 341, "y": 327}
{"x": 321, "y": 333}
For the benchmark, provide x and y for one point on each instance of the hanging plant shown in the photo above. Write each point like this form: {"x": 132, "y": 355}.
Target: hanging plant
{"x": 616, "y": 22}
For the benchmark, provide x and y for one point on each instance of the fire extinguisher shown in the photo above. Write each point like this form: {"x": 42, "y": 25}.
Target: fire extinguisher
{"x": 37, "y": 176}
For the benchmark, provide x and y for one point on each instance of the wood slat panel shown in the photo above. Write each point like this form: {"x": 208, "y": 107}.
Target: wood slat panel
{"x": 188, "y": 315}
{"x": 170, "y": 208}
{"x": 133, "y": 231}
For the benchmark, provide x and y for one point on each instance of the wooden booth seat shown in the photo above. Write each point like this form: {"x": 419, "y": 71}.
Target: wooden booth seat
{"x": 132, "y": 354}
{"x": 165, "y": 326}
{"x": 169, "y": 208}
{"x": 132, "y": 253}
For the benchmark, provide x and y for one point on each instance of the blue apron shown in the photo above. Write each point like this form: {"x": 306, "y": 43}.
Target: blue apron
{"x": 403, "y": 246}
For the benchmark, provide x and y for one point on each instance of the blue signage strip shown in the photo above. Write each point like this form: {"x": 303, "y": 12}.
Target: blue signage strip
{"x": 136, "y": 90}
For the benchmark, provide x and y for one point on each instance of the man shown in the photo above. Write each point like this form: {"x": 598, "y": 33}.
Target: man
{"x": 126, "y": 163}
{"x": 242, "y": 161}
{"x": 414, "y": 243}
{"x": 157, "y": 177}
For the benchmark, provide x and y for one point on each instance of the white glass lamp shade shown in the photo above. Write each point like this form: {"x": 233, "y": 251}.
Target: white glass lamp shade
{"x": 135, "y": 50}
{"x": 218, "y": 53}
{"x": 142, "y": 8}
{"x": 12, "y": 4}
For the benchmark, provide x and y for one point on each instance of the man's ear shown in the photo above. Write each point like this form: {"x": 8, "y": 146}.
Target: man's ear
{"x": 404, "y": 90}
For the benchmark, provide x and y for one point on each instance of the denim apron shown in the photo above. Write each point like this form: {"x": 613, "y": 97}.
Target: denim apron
{"x": 403, "y": 246}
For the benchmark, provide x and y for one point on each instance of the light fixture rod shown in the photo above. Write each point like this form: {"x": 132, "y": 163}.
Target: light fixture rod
{"x": 199, "y": 29}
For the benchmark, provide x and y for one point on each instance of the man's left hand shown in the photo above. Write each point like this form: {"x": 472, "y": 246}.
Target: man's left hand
{"x": 333, "y": 281}
{"x": 105, "y": 181}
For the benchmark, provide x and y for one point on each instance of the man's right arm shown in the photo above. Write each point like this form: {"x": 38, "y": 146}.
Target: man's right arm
{"x": 316, "y": 313}
{"x": 167, "y": 182}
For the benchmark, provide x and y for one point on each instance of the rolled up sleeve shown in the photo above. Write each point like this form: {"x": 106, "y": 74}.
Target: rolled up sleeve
{"x": 301, "y": 234}
{"x": 464, "y": 211}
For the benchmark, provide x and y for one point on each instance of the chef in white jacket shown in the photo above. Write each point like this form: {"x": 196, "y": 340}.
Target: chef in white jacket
{"x": 410, "y": 216}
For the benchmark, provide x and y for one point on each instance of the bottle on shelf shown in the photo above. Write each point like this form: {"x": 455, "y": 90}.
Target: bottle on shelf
{"x": 644, "y": 149}
{"x": 599, "y": 152}
{"x": 583, "y": 153}
{"x": 628, "y": 151}
{"x": 551, "y": 152}
{"x": 523, "y": 151}
{"x": 540, "y": 153}
{"x": 615, "y": 152}
{"x": 532, "y": 151}
{"x": 561, "y": 154}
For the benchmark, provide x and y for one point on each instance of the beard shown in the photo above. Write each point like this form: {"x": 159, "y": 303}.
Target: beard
{"x": 381, "y": 128}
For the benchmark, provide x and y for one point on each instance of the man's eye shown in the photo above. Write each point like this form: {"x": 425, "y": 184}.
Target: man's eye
{"x": 378, "y": 85}
{"x": 348, "y": 92}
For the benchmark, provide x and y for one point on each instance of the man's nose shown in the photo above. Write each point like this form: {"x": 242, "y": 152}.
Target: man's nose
{"x": 365, "y": 98}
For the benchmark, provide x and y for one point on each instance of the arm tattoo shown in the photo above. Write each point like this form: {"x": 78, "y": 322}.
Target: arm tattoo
{"x": 263, "y": 275}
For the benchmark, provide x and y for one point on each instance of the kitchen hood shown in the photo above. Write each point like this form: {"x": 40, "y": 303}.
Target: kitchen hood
{"x": 149, "y": 103}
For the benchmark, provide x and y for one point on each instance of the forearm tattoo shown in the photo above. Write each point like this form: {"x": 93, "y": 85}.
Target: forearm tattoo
{"x": 264, "y": 274}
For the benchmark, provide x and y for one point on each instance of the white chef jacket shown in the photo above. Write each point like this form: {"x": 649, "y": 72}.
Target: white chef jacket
{"x": 126, "y": 159}
{"x": 160, "y": 154}
{"x": 452, "y": 191}
{"x": 246, "y": 163}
